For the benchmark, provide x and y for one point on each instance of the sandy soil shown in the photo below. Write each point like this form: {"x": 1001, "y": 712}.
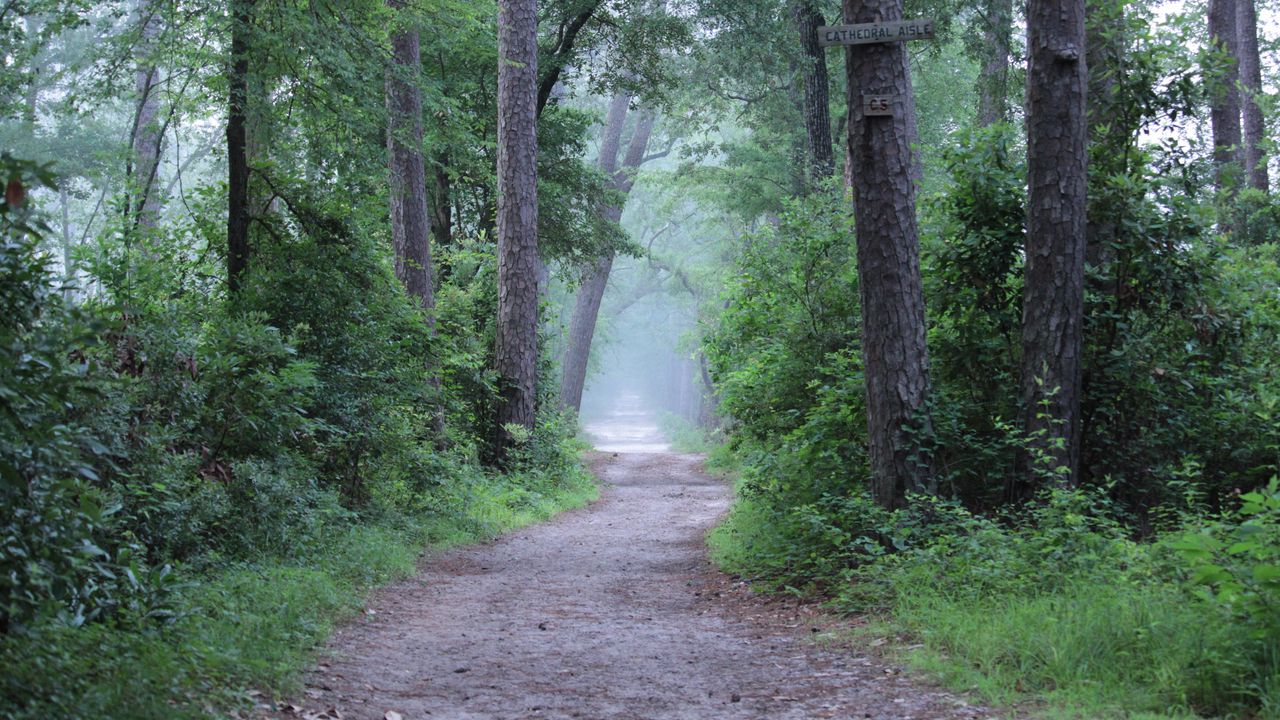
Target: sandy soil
{"x": 611, "y": 611}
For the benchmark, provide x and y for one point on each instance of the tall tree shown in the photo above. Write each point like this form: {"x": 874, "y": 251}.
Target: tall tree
{"x": 1053, "y": 295}
{"x": 516, "y": 349}
{"x": 595, "y": 277}
{"x": 817, "y": 98}
{"x": 893, "y": 323}
{"x": 148, "y": 131}
{"x": 410, "y": 218}
{"x": 1250, "y": 64}
{"x": 1224, "y": 105}
{"x": 993, "y": 77}
{"x": 238, "y": 249}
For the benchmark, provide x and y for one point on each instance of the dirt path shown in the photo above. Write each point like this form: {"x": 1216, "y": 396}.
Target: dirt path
{"x": 612, "y": 611}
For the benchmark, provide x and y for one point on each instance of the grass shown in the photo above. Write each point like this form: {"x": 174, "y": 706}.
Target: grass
{"x": 1092, "y": 652}
{"x": 685, "y": 436}
{"x": 246, "y": 629}
{"x": 1064, "y": 621}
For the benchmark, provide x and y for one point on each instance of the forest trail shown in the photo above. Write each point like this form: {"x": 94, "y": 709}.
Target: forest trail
{"x": 610, "y": 611}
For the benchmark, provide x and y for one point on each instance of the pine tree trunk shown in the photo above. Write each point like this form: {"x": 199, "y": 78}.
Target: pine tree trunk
{"x": 595, "y": 278}
{"x": 993, "y": 80}
{"x": 238, "y": 249}
{"x": 893, "y": 321}
{"x": 817, "y": 100}
{"x": 410, "y": 219}
{"x": 1053, "y": 296}
{"x": 145, "y": 201}
{"x": 516, "y": 347}
{"x": 1224, "y": 105}
{"x": 1254, "y": 131}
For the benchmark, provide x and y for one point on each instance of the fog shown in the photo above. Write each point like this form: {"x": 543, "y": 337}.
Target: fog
{"x": 642, "y": 381}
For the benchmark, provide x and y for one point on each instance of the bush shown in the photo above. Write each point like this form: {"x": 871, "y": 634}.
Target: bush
{"x": 59, "y": 557}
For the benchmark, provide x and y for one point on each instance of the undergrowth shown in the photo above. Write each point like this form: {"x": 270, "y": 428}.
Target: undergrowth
{"x": 250, "y": 628}
{"x": 1056, "y": 604}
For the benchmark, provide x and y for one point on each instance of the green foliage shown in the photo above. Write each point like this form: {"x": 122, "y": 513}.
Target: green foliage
{"x": 59, "y": 557}
{"x": 1058, "y": 601}
{"x": 247, "y": 626}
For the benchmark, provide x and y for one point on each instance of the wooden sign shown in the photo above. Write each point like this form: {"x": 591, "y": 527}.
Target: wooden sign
{"x": 880, "y": 32}
{"x": 873, "y": 105}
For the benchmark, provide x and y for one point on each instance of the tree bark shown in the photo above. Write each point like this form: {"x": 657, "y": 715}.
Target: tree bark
{"x": 410, "y": 218}
{"x": 1053, "y": 296}
{"x": 817, "y": 98}
{"x": 993, "y": 78}
{"x": 145, "y": 201}
{"x": 442, "y": 203}
{"x": 68, "y": 243}
{"x": 516, "y": 349}
{"x": 1254, "y": 130}
{"x": 595, "y": 278}
{"x": 1224, "y": 105}
{"x": 238, "y": 249}
{"x": 893, "y": 321}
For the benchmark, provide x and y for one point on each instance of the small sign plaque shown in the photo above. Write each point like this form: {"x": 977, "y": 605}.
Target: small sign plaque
{"x": 877, "y": 105}
{"x": 881, "y": 32}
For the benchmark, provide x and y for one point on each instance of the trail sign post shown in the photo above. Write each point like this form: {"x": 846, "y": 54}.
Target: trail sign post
{"x": 875, "y": 105}
{"x": 865, "y": 33}
{"x": 881, "y": 175}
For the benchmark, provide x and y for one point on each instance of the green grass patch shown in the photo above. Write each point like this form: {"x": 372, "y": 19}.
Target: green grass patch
{"x": 685, "y": 436}
{"x": 1059, "y": 610}
{"x": 246, "y": 626}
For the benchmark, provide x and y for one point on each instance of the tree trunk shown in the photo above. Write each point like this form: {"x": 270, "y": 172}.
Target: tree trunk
{"x": 582, "y": 328}
{"x": 238, "y": 249}
{"x": 893, "y": 325}
{"x": 817, "y": 100}
{"x": 516, "y": 349}
{"x": 1053, "y": 296}
{"x": 148, "y": 134}
{"x": 442, "y": 203}
{"x": 410, "y": 219}
{"x": 1255, "y": 163}
{"x": 595, "y": 278}
{"x": 993, "y": 79}
{"x": 68, "y": 244}
{"x": 1224, "y": 105}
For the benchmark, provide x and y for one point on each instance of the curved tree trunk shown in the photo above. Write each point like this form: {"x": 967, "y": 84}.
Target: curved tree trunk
{"x": 893, "y": 329}
{"x": 1053, "y": 296}
{"x": 595, "y": 278}
{"x": 516, "y": 346}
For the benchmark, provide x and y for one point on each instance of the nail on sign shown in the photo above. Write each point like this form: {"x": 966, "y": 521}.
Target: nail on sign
{"x": 881, "y": 32}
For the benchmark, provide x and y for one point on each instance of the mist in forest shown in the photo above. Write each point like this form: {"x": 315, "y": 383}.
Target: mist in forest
{"x": 642, "y": 378}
